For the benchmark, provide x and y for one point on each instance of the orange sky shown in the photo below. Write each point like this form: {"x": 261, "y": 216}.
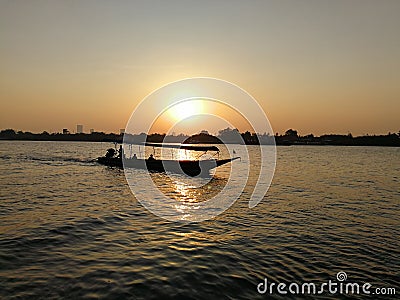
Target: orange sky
{"x": 315, "y": 66}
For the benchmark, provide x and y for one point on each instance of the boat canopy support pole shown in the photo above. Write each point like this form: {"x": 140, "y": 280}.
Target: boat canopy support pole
{"x": 216, "y": 153}
{"x": 200, "y": 155}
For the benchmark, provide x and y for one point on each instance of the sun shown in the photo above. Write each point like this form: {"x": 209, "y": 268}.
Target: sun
{"x": 186, "y": 109}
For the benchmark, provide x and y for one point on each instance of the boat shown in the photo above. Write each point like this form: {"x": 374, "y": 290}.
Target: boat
{"x": 188, "y": 167}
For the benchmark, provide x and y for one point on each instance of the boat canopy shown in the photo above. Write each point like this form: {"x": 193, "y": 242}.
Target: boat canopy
{"x": 183, "y": 146}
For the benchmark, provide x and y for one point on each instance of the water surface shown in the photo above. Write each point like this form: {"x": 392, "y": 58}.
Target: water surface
{"x": 71, "y": 228}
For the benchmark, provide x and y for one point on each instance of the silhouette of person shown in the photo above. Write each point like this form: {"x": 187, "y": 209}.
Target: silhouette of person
{"x": 120, "y": 152}
{"x": 134, "y": 156}
{"x": 110, "y": 153}
{"x": 151, "y": 157}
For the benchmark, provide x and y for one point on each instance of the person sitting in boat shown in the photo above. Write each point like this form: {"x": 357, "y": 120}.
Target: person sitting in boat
{"x": 134, "y": 156}
{"x": 110, "y": 153}
{"x": 120, "y": 152}
{"x": 151, "y": 157}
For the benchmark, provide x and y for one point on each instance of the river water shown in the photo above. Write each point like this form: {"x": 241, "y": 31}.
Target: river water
{"x": 70, "y": 228}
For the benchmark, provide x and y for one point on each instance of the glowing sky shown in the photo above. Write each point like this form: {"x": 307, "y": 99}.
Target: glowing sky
{"x": 316, "y": 66}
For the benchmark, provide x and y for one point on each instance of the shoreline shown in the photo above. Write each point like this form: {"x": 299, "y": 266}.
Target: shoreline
{"x": 290, "y": 138}
{"x": 285, "y": 144}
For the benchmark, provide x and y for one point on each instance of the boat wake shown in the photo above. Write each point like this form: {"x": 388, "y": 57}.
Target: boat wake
{"x": 49, "y": 159}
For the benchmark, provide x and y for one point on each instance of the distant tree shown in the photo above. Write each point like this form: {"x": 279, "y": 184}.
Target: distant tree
{"x": 155, "y": 138}
{"x": 291, "y": 132}
{"x": 227, "y": 131}
{"x": 246, "y": 137}
{"x": 230, "y": 135}
{"x": 254, "y": 139}
{"x": 202, "y": 138}
{"x": 8, "y": 132}
{"x": 266, "y": 139}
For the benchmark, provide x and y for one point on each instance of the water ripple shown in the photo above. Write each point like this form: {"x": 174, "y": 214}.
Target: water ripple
{"x": 71, "y": 229}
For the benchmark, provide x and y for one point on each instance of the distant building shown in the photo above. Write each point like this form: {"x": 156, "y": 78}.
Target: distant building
{"x": 91, "y": 130}
{"x": 79, "y": 128}
{"x": 65, "y": 131}
{"x": 121, "y": 131}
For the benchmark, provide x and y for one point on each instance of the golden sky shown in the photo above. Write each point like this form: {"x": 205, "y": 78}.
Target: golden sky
{"x": 315, "y": 66}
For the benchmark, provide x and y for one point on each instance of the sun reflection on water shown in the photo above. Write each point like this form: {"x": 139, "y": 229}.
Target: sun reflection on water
{"x": 186, "y": 191}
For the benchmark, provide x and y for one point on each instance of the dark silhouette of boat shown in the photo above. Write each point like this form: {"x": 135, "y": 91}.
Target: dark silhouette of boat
{"x": 188, "y": 167}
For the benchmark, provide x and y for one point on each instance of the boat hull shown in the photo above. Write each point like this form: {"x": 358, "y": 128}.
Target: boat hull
{"x": 188, "y": 167}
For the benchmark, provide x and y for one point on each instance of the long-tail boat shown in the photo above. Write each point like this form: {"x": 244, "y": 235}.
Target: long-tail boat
{"x": 189, "y": 167}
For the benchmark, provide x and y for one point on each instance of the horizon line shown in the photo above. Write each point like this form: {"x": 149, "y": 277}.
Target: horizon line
{"x": 188, "y": 135}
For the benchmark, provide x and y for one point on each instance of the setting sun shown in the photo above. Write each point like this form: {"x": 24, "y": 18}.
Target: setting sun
{"x": 186, "y": 109}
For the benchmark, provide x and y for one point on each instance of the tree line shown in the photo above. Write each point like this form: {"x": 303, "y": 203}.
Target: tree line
{"x": 227, "y": 136}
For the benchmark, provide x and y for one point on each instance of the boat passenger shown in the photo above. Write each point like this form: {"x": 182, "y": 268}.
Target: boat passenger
{"x": 120, "y": 152}
{"x": 110, "y": 153}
